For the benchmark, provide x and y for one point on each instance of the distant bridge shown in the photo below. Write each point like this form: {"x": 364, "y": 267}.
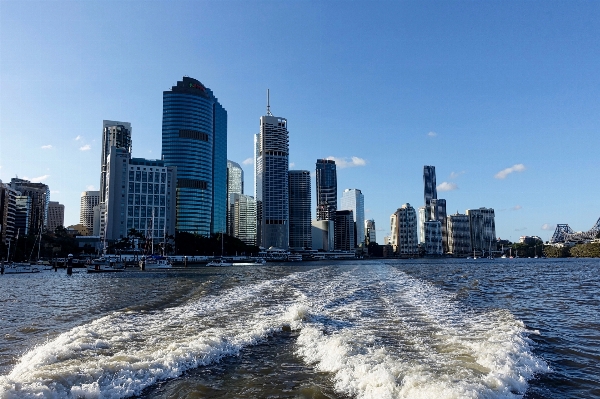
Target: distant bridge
{"x": 564, "y": 233}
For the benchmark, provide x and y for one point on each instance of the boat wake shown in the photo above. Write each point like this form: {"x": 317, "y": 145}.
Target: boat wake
{"x": 379, "y": 333}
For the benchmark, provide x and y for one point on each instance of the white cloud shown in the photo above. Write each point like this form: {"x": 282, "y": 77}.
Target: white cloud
{"x": 455, "y": 175}
{"x": 90, "y": 188}
{"x": 521, "y": 229}
{"x": 78, "y": 138}
{"x": 342, "y": 163}
{"x": 37, "y": 179}
{"x": 515, "y": 168}
{"x": 47, "y": 147}
{"x": 549, "y": 227}
{"x": 432, "y": 134}
{"x": 291, "y": 165}
{"x": 516, "y": 208}
{"x": 248, "y": 161}
{"x": 86, "y": 147}
{"x": 447, "y": 186}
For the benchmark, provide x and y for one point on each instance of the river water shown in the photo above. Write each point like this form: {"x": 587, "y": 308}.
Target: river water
{"x": 514, "y": 328}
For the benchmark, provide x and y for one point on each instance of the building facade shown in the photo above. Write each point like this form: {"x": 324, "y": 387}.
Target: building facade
{"x": 323, "y": 235}
{"x": 403, "y": 225}
{"x": 433, "y": 238}
{"x": 235, "y": 185}
{"x": 8, "y": 210}
{"x": 344, "y": 230}
{"x": 194, "y": 140}
{"x": 423, "y": 217}
{"x": 89, "y": 199}
{"x": 56, "y": 216}
{"x": 438, "y": 213}
{"x": 430, "y": 189}
{"x": 39, "y": 194}
{"x": 370, "y": 232}
{"x": 354, "y": 200}
{"x": 300, "y": 214}
{"x": 114, "y": 134}
{"x": 140, "y": 195}
{"x": 482, "y": 228}
{"x": 272, "y": 189}
{"x": 459, "y": 235}
{"x": 244, "y": 218}
{"x": 326, "y": 189}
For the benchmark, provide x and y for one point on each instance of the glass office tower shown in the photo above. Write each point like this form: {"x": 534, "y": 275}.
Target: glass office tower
{"x": 354, "y": 200}
{"x": 300, "y": 216}
{"x": 326, "y": 178}
{"x": 194, "y": 139}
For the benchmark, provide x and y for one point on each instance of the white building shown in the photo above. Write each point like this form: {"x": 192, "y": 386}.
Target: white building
{"x": 89, "y": 199}
{"x": 459, "y": 235}
{"x": 235, "y": 185}
{"x": 354, "y": 200}
{"x": 323, "y": 235}
{"x": 243, "y": 218}
{"x": 403, "y": 224}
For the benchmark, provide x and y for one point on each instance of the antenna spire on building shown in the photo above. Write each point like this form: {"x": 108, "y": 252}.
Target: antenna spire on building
{"x": 268, "y": 105}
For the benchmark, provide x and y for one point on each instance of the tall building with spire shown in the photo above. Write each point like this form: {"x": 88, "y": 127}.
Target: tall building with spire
{"x": 194, "y": 139}
{"x": 271, "y": 181}
{"x": 326, "y": 179}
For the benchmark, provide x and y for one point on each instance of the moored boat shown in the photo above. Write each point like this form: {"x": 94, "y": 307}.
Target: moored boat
{"x": 219, "y": 262}
{"x": 105, "y": 265}
{"x": 18, "y": 268}
{"x": 155, "y": 262}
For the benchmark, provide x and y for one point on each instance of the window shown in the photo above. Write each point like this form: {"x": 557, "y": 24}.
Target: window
{"x": 131, "y": 175}
{"x": 136, "y": 212}
{"x": 143, "y": 198}
{"x": 163, "y": 177}
{"x": 137, "y": 187}
{"x": 130, "y": 199}
{"x": 131, "y": 186}
{"x": 144, "y": 177}
{"x": 144, "y": 188}
{"x": 138, "y": 175}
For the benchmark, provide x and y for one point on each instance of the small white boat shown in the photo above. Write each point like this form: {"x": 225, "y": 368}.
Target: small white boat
{"x": 105, "y": 265}
{"x": 294, "y": 257}
{"x": 155, "y": 262}
{"x": 220, "y": 262}
{"x": 18, "y": 268}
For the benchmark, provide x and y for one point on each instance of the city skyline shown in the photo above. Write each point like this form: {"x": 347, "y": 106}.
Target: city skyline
{"x": 444, "y": 89}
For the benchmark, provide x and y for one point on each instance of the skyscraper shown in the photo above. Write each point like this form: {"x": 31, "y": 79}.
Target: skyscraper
{"x": 56, "y": 216}
{"x": 370, "y": 232}
{"x": 459, "y": 236}
{"x": 430, "y": 190}
{"x": 39, "y": 194}
{"x": 300, "y": 215}
{"x": 482, "y": 227}
{"x": 404, "y": 231}
{"x": 326, "y": 178}
{"x": 194, "y": 139}
{"x": 244, "y": 218}
{"x": 272, "y": 202}
{"x": 354, "y": 200}
{"x": 438, "y": 213}
{"x": 114, "y": 134}
{"x": 344, "y": 230}
{"x": 235, "y": 185}
{"x": 8, "y": 210}
{"x": 89, "y": 199}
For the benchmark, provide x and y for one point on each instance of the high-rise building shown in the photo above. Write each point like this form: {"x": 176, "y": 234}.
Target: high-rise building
{"x": 354, "y": 200}
{"x": 89, "y": 199}
{"x": 194, "y": 139}
{"x": 323, "y": 235}
{"x": 433, "y": 238}
{"x": 459, "y": 235}
{"x": 235, "y": 185}
{"x": 23, "y": 207}
{"x": 403, "y": 224}
{"x": 370, "y": 232}
{"x": 244, "y": 218}
{"x": 300, "y": 215}
{"x": 344, "y": 230}
{"x": 272, "y": 191}
{"x": 39, "y": 194}
{"x": 140, "y": 195}
{"x": 326, "y": 189}
{"x": 430, "y": 189}
{"x": 482, "y": 228}
{"x": 56, "y": 216}
{"x": 8, "y": 209}
{"x": 438, "y": 212}
{"x": 423, "y": 217}
{"x": 114, "y": 134}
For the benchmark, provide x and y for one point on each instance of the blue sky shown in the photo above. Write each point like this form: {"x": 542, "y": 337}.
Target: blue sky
{"x": 474, "y": 88}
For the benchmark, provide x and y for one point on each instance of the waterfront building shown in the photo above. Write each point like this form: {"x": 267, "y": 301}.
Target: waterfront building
{"x": 403, "y": 224}
{"x": 482, "y": 228}
{"x": 326, "y": 189}
{"x": 56, "y": 216}
{"x": 89, "y": 199}
{"x": 433, "y": 238}
{"x": 114, "y": 134}
{"x": 459, "y": 235}
{"x": 344, "y": 230}
{"x": 39, "y": 194}
{"x": 299, "y": 208}
{"x": 354, "y": 200}
{"x": 140, "y": 195}
{"x": 423, "y": 217}
{"x": 438, "y": 212}
{"x": 244, "y": 218}
{"x": 78, "y": 230}
{"x": 23, "y": 214}
{"x": 194, "y": 140}
{"x": 272, "y": 190}
{"x": 8, "y": 209}
{"x": 323, "y": 235}
{"x": 99, "y": 220}
{"x": 235, "y": 185}
{"x": 370, "y": 232}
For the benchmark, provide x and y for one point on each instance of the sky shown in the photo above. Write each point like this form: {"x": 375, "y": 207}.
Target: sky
{"x": 500, "y": 96}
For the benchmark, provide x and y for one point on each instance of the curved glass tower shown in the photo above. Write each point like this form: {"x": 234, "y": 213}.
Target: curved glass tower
{"x": 194, "y": 139}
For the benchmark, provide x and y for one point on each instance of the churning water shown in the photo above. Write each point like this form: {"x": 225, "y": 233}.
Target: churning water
{"x": 368, "y": 329}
